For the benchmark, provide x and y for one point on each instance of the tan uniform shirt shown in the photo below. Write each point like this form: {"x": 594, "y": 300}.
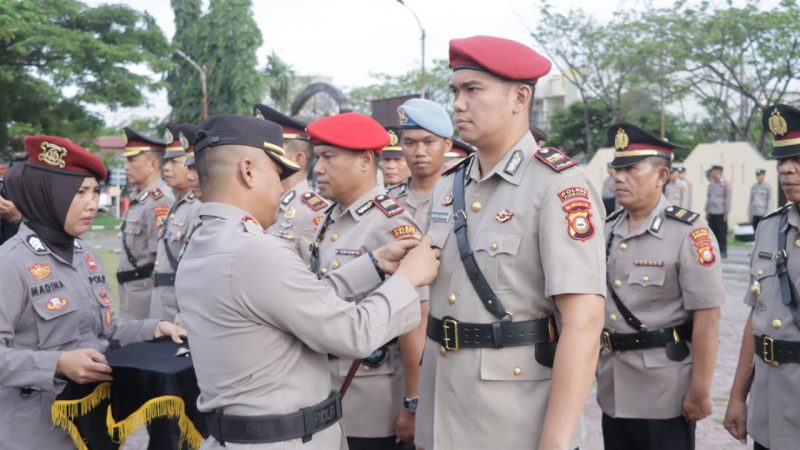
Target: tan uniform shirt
{"x": 760, "y": 199}
{"x": 300, "y": 211}
{"x": 261, "y": 325}
{"x": 171, "y": 242}
{"x": 774, "y": 404}
{"x": 376, "y": 395}
{"x": 718, "y": 200}
{"x": 661, "y": 272}
{"x": 536, "y": 233}
{"x": 417, "y": 204}
{"x": 48, "y": 306}
{"x": 142, "y": 224}
{"x": 676, "y": 193}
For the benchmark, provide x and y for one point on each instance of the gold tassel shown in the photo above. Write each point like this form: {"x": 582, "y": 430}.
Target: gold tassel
{"x": 163, "y": 406}
{"x": 62, "y": 412}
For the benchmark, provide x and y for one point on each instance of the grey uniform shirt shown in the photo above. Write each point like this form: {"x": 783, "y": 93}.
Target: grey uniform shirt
{"x": 676, "y": 193}
{"x": 417, "y": 204}
{"x": 719, "y": 197}
{"x": 661, "y": 272}
{"x": 174, "y": 232}
{"x": 536, "y": 233}
{"x": 142, "y": 225}
{"x": 689, "y": 193}
{"x": 47, "y": 306}
{"x": 774, "y": 403}
{"x": 300, "y": 211}
{"x": 376, "y": 395}
{"x": 261, "y": 325}
{"x": 760, "y": 199}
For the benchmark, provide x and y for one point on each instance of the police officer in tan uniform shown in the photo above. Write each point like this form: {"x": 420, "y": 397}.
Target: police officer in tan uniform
{"x": 718, "y": 206}
{"x": 260, "y": 323}
{"x": 426, "y": 135}
{"x": 689, "y": 192}
{"x": 301, "y": 209}
{"x": 528, "y": 226}
{"x": 392, "y": 164}
{"x": 769, "y": 361}
{"x": 760, "y": 198}
{"x": 663, "y": 305}
{"x": 675, "y": 190}
{"x": 379, "y": 408}
{"x": 175, "y": 229}
{"x": 149, "y": 206}
{"x": 55, "y": 309}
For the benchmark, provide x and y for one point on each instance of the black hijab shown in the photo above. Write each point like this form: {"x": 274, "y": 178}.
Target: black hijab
{"x": 44, "y": 197}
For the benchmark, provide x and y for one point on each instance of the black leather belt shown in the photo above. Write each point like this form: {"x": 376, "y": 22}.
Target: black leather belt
{"x": 453, "y": 335}
{"x": 775, "y": 352}
{"x": 165, "y": 279}
{"x": 275, "y": 428}
{"x": 620, "y": 342}
{"x": 139, "y": 273}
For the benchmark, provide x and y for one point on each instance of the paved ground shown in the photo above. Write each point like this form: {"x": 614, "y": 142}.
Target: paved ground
{"x": 710, "y": 434}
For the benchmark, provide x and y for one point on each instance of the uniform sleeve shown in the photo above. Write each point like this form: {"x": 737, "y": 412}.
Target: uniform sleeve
{"x": 750, "y": 203}
{"x": 572, "y": 248}
{"x": 700, "y": 271}
{"x": 403, "y": 226}
{"x": 313, "y": 311}
{"x": 728, "y": 195}
{"x": 20, "y": 368}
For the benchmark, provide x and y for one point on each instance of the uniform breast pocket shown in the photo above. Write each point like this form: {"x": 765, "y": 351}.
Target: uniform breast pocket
{"x": 496, "y": 253}
{"x": 57, "y": 321}
{"x": 440, "y": 228}
{"x": 647, "y": 282}
{"x": 176, "y": 231}
{"x": 512, "y": 364}
{"x": 133, "y": 229}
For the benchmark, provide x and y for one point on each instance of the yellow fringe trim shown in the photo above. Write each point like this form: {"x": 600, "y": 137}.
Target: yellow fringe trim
{"x": 64, "y": 411}
{"x": 163, "y": 406}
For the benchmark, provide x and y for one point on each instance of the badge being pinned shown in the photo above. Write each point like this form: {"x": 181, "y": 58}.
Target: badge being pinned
{"x": 579, "y": 219}
{"x": 40, "y": 271}
{"x": 56, "y": 304}
{"x": 504, "y": 216}
{"x": 705, "y": 249}
{"x": 447, "y": 201}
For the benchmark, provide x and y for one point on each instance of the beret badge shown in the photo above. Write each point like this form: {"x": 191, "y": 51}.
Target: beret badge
{"x": 53, "y": 155}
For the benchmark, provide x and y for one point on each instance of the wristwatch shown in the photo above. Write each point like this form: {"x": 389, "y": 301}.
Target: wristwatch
{"x": 411, "y": 404}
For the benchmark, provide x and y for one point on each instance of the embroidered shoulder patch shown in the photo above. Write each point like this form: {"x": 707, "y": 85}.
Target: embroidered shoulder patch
{"x": 288, "y": 197}
{"x": 579, "y": 220}
{"x": 554, "y": 158}
{"x": 314, "y": 201}
{"x": 35, "y": 244}
{"x": 40, "y": 271}
{"x": 156, "y": 193}
{"x": 387, "y": 205}
{"x": 681, "y": 214}
{"x": 161, "y": 212}
{"x": 573, "y": 192}
{"x": 704, "y": 246}
{"x": 403, "y": 231}
{"x": 365, "y": 207}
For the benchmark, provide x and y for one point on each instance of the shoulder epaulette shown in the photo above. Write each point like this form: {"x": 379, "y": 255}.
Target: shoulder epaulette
{"x": 681, "y": 214}
{"x": 387, "y": 205}
{"x": 554, "y": 158}
{"x": 314, "y": 201}
{"x": 397, "y": 190}
{"x": 779, "y": 211}
{"x": 156, "y": 193}
{"x": 366, "y": 206}
{"x": 614, "y": 214}
{"x": 461, "y": 163}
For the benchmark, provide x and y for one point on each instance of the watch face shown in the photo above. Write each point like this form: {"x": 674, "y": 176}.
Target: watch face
{"x": 410, "y": 404}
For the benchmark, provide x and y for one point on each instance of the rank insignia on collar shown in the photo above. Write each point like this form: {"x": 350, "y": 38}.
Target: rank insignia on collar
{"x": 249, "y": 219}
{"x": 447, "y": 200}
{"x": 656, "y": 225}
{"x": 40, "y": 271}
{"x": 504, "y": 216}
{"x": 143, "y": 196}
{"x": 290, "y": 212}
{"x": 35, "y": 244}
{"x": 56, "y": 304}
{"x": 554, "y": 158}
{"x": 387, "y": 205}
{"x": 314, "y": 201}
{"x": 77, "y": 245}
{"x": 288, "y": 197}
{"x": 90, "y": 262}
{"x": 513, "y": 163}
{"x": 579, "y": 219}
{"x": 364, "y": 208}
{"x": 156, "y": 193}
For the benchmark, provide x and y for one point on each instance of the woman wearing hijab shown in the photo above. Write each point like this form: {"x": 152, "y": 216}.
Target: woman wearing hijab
{"x": 55, "y": 309}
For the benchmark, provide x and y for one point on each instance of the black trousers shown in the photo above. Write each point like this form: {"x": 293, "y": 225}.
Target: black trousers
{"x": 757, "y": 446}
{"x": 386, "y": 443}
{"x": 648, "y": 434}
{"x": 720, "y": 229}
{"x": 756, "y": 219}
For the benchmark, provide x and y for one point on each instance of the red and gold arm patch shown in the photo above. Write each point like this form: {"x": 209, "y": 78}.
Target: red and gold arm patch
{"x": 579, "y": 220}
{"x": 160, "y": 213}
{"x": 573, "y": 192}
{"x": 404, "y": 231}
{"x": 701, "y": 237}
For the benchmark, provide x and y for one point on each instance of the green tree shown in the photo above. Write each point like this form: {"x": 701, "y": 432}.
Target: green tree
{"x": 49, "y": 47}
{"x": 184, "y": 90}
{"x": 279, "y": 77}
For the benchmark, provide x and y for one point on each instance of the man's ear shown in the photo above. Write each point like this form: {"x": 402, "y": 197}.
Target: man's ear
{"x": 300, "y": 158}
{"x": 246, "y": 170}
{"x": 523, "y": 96}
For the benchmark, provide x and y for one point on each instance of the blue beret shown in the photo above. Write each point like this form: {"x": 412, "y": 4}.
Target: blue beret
{"x": 425, "y": 114}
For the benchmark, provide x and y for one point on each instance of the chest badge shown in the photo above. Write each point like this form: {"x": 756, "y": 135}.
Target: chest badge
{"x": 290, "y": 212}
{"x": 504, "y": 216}
{"x": 447, "y": 200}
{"x": 56, "y": 304}
{"x": 40, "y": 271}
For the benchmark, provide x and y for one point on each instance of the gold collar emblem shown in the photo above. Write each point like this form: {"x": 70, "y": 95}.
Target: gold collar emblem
{"x": 621, "y": 139}
{"x": 777, "y": 124}
{"x": 53, "y": 154}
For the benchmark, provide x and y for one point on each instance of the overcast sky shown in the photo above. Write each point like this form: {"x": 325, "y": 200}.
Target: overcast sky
{"x": 349, "y": 39}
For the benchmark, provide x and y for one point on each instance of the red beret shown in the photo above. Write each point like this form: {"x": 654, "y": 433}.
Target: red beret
{"x": 502, "y": 57}
{"x": 351, "y": 131}
{"x": 63, "y": 156}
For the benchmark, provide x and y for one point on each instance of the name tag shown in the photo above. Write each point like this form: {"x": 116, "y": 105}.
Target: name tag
{"x": 440, "y": 216}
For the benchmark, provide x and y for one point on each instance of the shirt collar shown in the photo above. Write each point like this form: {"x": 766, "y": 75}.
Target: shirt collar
{"x": 512, "y": 165}
{"x": 352, "y": 209}
{"x": 654, "y": 224}
{"x": 224, "y": 211}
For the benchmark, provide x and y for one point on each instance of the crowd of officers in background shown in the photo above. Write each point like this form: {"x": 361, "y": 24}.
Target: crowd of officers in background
{"x": 470, "y": 301}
